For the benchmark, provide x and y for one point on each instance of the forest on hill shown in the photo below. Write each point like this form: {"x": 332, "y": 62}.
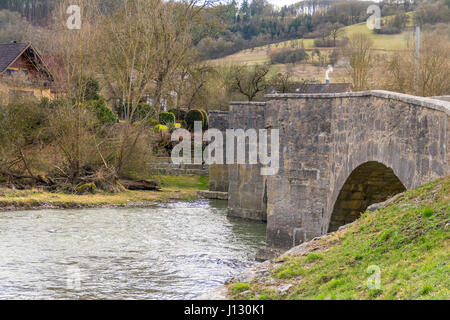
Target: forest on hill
{"x": 231, "y": 26}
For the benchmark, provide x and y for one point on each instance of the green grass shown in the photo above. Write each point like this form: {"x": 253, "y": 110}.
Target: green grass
{"x": 380, "y": 41}
{"x": 185, "y": 182}
{"x": 240, "y": 287}
{"x": 407, "y": 242}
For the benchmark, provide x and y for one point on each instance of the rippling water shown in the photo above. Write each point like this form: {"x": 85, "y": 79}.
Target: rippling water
{"x": 175, "y": 251}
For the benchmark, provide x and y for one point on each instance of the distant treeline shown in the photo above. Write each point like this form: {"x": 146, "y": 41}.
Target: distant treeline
{"x": 231, "y": 27}
{"x": 256, "y": 22}
{"x": 35, "y": 11}
{"x": 39, "y": 12}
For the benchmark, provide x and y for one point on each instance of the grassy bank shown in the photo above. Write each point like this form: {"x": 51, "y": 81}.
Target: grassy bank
{"x": 173, "y": 188}
{"x": 407, "y": 241}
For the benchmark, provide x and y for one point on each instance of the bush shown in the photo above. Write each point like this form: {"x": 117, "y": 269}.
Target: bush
{"x": 394, "y": 24}
{"x": 328, "y": 43}
{"x": 144, "y": 111}
{"x": 192, "y": 116}
{"x": 323, "y": 43}
{"x": 153, "y": 122}
{"x": 161, "y": 128}
{"x": 288, "y": 56}
{"x": 179, "y": 114}
{"x": 388, "y": 30}
{"x": 166, "y": 118}
{"x": 92, "y": 89}
{"x": 205, "y": 122}
{"x": 104, "y": 114}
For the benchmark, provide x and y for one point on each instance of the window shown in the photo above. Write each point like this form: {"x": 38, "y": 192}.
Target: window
{"x": 11, "y": 72}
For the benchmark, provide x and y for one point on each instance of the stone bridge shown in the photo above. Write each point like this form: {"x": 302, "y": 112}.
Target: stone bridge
{"x": 339, "y": 153}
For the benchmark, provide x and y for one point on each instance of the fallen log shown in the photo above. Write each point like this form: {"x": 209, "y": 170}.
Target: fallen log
{"x": 144, "y": 185}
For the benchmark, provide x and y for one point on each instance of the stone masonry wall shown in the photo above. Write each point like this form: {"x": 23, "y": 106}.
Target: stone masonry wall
{"x": 218, "y": 173}
{"x": 246, "y": 192}
{"x": 297, "y": 195}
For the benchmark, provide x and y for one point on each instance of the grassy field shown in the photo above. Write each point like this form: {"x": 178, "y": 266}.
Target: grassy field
{"x": 386, "y": 42}
{"x": 407, "y": 242}
{"x": 381, "y": 43}
{"x": 173, "y": 188}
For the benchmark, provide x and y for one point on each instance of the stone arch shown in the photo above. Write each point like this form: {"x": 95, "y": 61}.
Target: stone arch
{"x": 371, "y": 182}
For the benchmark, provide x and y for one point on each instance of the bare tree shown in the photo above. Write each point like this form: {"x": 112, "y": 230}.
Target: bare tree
{"x": 432, "y": 65}
{"x": 71, "y": 49}
{"x": 282, "y": 82}
{"x": 249, "y": 81}
{"x": 358, "y": 51}
{"x": 143, "y": 48}
{"x": 335, "y": 32}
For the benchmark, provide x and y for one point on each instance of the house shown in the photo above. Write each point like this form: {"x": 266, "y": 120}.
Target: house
{"x": 23, "y": 71}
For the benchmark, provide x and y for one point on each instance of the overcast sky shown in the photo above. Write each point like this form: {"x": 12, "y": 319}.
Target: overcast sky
{"x": 282, "y": 2}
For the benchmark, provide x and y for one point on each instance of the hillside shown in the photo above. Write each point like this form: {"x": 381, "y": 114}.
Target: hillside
{"x": 407, "y": 239}
{"x": 381, "y": 43}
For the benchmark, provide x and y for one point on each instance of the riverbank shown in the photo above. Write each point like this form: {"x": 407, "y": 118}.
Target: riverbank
{"x": 181, "y": 188}
{"x": 397, "y": 251}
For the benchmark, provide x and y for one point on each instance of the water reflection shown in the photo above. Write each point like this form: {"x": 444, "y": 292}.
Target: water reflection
{"x": 175, "y": 251}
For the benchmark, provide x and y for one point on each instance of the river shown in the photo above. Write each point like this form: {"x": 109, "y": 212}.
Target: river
{"x": 171, "y": 251}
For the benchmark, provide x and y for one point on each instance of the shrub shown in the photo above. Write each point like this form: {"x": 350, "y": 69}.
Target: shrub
{"x": 205, "y": 122}
{"x": 152, "y": 122}
{"x": 104, "y": 114}
{"x": 179, "y": 114}
{"x": 323, "y": 43}
{"x": 388, "y": 30}
{"x": 161, "y": 128}
{"x": 144, "y": 111}
{"x": 192, "y": 116}
{"x": 288, "y": 56}
{"x": 166, "y": 118}
{"x": 92, "y": 89}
